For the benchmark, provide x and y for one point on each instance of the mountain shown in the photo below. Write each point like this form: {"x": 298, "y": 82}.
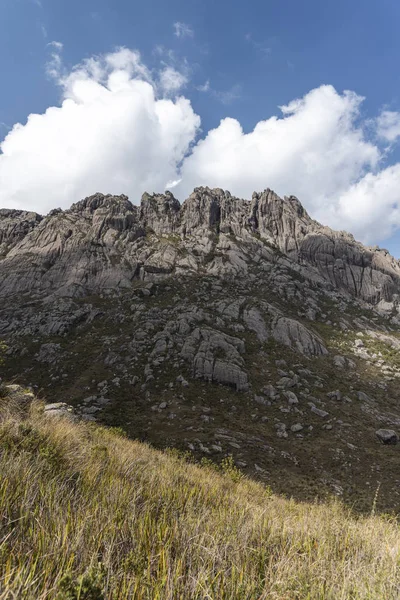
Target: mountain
{"x": 220, "y": 326}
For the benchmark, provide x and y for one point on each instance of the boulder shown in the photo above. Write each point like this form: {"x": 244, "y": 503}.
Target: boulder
{"x": 297, "y": 337}
{"x": 215, "y": 356}
{"x": 319, "y": 412}
{"x": 296, "y": 427}
{"x": 60, "y": 410}
{"x": 387, "y": 436}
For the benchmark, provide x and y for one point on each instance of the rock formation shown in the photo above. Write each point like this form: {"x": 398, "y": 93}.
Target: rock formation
{"x": 106, "y": 242}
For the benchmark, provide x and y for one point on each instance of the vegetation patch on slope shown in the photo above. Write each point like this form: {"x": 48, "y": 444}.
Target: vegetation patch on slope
{"x": 88, "y": 514}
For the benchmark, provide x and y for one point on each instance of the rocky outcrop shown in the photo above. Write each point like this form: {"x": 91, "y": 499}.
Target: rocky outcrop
{"x": 59, "y": 410}
{"x": 282, "y": 222}
{"x": 255, "y": 322}
{"x": 215, "y": 356}
{"x": 23, "y": 398}
{"x": 296, "y": 336}
{"x": 369, "y": 274}
{"x": 17, "y": 395}
{"x": 73, "y": 252}
{"x": 159, "y": 213}
{"x": 105, "y": 242}
{"x": 14, "y": 226}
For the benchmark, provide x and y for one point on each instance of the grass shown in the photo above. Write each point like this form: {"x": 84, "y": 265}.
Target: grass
{"x": 88, "y": 514}
{"x": 383, "y": 350}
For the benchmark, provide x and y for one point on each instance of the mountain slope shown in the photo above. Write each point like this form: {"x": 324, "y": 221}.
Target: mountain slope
{"x": 89, "y": 514}
{"x": 222, "y": 326}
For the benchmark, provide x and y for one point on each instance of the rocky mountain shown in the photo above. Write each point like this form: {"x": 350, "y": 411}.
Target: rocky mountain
{"x": 219, "y": 326}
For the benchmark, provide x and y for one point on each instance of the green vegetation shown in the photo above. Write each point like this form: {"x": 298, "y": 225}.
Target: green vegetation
{"x": 87, "y": 514}
{"x": 389, "y": 354}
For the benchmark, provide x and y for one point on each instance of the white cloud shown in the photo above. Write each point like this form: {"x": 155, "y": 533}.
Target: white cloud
{"x": 388, "y": 125}
{"x": 205, "y": 87}
{"x": 172, "y": 184}
{"x": 228, "y": 96}
{"x": 370, "y": 207}
{"x": 182, "y": 30}
{"x": 120, "y": 128}
{"x": 57, "y": 45}
{"x": 171, "y": 80}
{"x": 111, "y": 133}
{"x": 316, "y": 150}
{"x": 54, "y": 64}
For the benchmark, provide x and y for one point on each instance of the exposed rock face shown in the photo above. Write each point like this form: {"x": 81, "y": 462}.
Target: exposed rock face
{"x": 70, "y": 253}
{"x": 202, "y": 348}
{"x": 160, "y": 213}
{"x": 299, "y": 338}
{"x": 14, "y": 226}
{"x": 256, "y": 323}
{"x": 372, "y": 275}
{"x": 105, "y": 242}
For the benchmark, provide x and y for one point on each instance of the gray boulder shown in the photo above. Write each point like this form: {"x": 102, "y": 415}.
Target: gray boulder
{"x": 387, "y": 436}
{"x": 215, "y": 356}
{"x": 298, "y": 337}
{"x": 60, "y": 410}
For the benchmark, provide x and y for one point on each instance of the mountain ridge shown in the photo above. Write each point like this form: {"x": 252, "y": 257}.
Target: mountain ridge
{"x": 116, "y": 225}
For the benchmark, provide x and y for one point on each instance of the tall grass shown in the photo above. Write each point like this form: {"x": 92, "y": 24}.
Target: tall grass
{"x": 87, "y": 514}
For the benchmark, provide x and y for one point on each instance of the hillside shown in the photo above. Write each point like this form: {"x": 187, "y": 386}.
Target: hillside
{"x": 88, "y": 514}
{"x": 220, "y": 327}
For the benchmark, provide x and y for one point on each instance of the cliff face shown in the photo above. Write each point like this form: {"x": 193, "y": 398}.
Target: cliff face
{"x": 105, "y": 242}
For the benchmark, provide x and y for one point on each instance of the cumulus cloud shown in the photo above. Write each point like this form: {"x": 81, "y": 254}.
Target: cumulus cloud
{"x": 318, "y": 150}
{"x": 370, "y": 207}
{"x": 314, "y": 149}
{"x": 182, "y": 30}
{"x": 111, "y": 133}
{"x": 122, "y": 128}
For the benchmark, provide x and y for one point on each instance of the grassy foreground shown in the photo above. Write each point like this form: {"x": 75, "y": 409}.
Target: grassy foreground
{"x": 87, "y": 514}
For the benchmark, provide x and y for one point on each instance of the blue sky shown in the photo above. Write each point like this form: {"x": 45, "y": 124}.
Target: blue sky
{"x": 238, "y": 60}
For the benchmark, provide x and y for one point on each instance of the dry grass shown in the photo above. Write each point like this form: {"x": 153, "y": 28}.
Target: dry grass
{"x": 87, "y": 514}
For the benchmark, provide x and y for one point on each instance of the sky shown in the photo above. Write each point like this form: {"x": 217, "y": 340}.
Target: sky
{"x": 118, "y": 96}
